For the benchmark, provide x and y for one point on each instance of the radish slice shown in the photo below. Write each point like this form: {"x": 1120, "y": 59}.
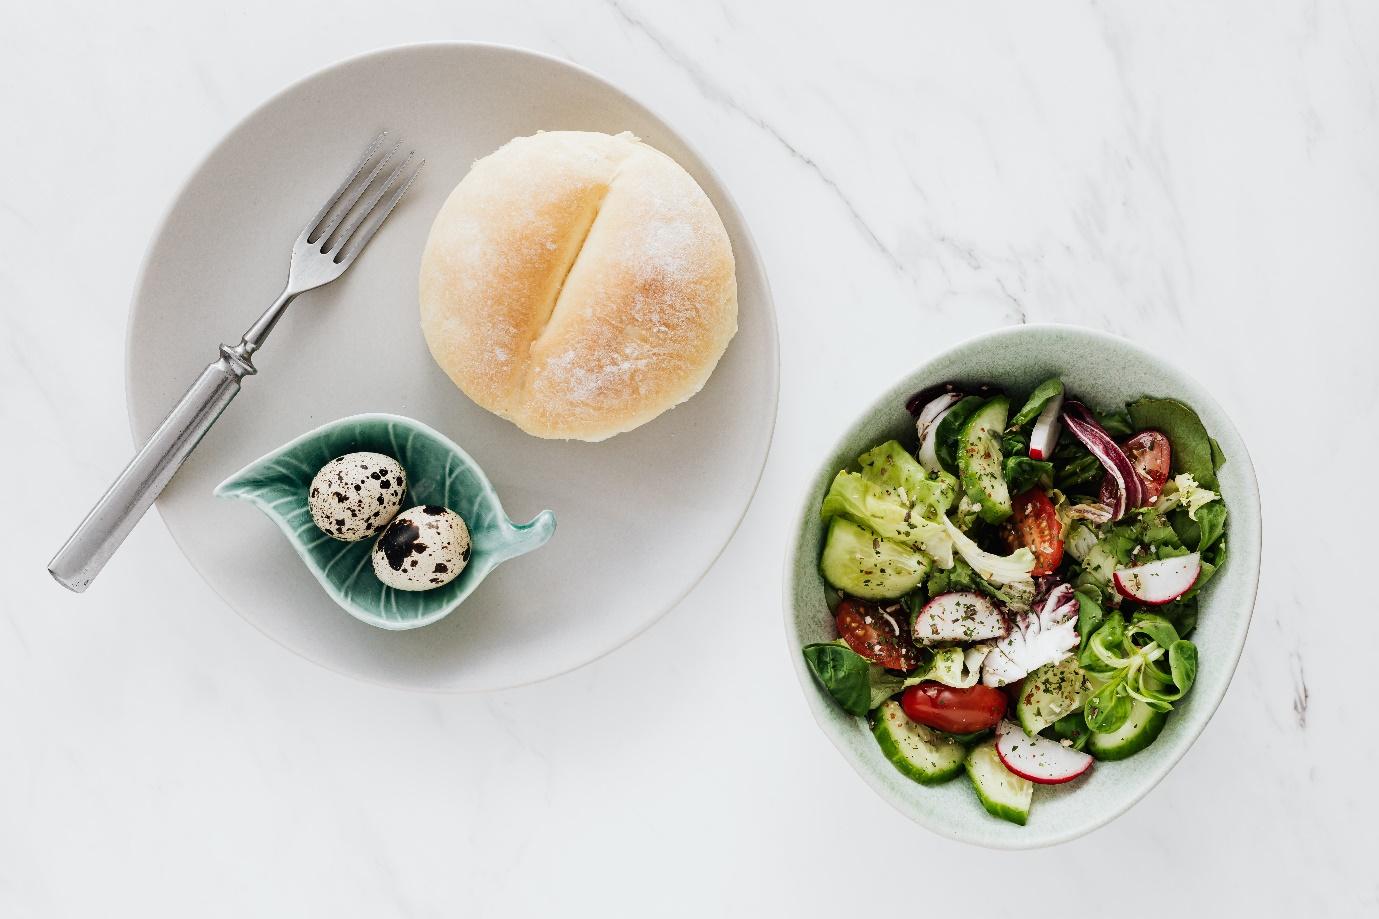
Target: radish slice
{"x": 936, "y": 407}
{"x": 930, "y": 443}
{"x": 1039, "y": 759}
{"x": 1157, "y": 583}
{"x": 916, "y": 404}
{"x": 927, "y": 427}
{"x": 1044, "y": 437}
{"x": 959, "y": 616}
{"x": 1129, "y": 491}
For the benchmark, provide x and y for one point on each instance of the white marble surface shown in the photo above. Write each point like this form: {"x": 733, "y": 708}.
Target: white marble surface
{"x": 1203, "y": 178}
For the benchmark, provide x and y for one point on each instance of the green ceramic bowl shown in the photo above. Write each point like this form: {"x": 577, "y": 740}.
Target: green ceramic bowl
{"x": 438, "y": 472}
{"x": 1105, "y": 371}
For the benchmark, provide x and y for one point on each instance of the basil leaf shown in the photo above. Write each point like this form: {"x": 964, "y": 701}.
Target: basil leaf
{"x": 1036, "y": 402}
{"x": 844, "y": 673}
{"x": 1192, "y": 446}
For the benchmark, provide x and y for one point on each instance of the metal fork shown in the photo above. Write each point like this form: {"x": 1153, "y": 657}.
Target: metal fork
{"x": 326, "y": 248}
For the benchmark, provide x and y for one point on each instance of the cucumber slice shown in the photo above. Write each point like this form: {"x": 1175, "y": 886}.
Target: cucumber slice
{"x": 921, "y": 753}
{"x": 860, "y": 563}
{"x": 1049, "y": 693}
{"x": 980, "y": 460}
{"x": 1140, "y": 730}
{"x": 1003, "y": 793}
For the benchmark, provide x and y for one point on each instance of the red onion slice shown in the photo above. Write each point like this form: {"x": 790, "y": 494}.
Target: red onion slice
{"x": 1094, "y": 437}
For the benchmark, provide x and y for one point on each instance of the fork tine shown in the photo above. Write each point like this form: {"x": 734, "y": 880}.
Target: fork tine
{"x": 362, "y": 212}
{"x": 356, "y": 241}
{"x": 372, "y": 151}
{"x": 330, "y": 236}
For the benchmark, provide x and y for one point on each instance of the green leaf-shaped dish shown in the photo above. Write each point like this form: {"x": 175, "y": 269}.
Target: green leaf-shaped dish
{"x": 438, "y": 472}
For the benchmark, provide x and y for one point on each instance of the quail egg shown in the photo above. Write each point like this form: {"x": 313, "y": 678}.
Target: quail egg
{"x": 423, "y": 548}
{"x": 354, "y": 496}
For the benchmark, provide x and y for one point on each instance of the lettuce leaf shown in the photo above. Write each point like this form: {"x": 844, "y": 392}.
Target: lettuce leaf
{"x": 1013, "y": 569}
{"x": 887, "y": 512}
{"x": 956, "y": 667}
{"x": 1184, "y": 492}
{"x": 892, "y": 467}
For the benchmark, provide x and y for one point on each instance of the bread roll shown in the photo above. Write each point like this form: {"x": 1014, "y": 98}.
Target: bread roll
{"x": 578, "y": 284}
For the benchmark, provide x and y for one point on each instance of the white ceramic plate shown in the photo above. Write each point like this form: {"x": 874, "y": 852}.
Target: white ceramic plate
{"x": 641, "y": 516}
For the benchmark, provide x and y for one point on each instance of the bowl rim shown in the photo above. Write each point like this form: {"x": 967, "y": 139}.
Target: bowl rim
{"x": 820, "y": 708}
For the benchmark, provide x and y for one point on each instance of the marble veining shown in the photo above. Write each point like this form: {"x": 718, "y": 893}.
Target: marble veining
{"x": 1201, "y": 178}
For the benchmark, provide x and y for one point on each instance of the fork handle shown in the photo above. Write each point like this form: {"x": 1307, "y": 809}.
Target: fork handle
{"x": 93, "y": 543}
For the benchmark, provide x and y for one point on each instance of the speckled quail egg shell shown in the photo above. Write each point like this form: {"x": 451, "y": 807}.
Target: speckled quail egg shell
{"x": 354, "y": 496}
{"x": 422, "y": 549}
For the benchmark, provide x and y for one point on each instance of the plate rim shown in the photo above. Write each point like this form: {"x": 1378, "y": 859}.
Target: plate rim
{"x": 747, "y": 239}
{"x": 818, "y": 705}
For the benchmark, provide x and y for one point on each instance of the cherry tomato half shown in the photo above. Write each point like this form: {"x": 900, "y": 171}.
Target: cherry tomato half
{"x": 875, "y": 633}
{"x": 1152, "y": 456}
{"x": 957, "y": 711}
{"x": 1034, "y": 525}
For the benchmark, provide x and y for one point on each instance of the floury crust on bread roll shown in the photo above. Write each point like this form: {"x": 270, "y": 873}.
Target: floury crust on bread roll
{"x": 578, "y": 284}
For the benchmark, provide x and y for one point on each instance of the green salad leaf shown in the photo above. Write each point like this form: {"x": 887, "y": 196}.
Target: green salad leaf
{"x": 1116, "y": 423}
{"x": 1023, "y": 473}
{"x": 891, "y": 466}
{"x": 1084, "y": 470}
{"x": 956, "y": 667}
{"x": 854, "y": 682}
{"x": 1001, "y": 570}
{"x": 960, "y": 576}
{"x": 1211, "y": 524}
{"x": 1193, "y": 449}
{"x": 1041, "y": 396}
{"x": 1090, "y": 615}
{"x": 1072, "y": 727}
{"x": 1130, "y": 661}
{"x": 946, "y": 435}
{"x": 889, "y": 512}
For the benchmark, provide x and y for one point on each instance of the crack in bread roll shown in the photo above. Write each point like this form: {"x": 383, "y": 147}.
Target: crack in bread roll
{"x": 578, "y": 284}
